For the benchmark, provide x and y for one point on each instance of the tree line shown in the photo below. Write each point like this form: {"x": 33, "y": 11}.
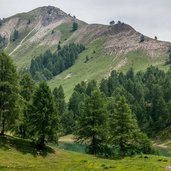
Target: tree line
{"x": 148, "y": 94}
{"x": 25, "y": 109}
{"x": 3, "y": 42}
{"x": 47, "y": 65}
{"x": 113, "y": 119}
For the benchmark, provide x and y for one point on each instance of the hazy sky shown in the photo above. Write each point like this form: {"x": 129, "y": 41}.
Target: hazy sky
{"x": 150, "y": 17}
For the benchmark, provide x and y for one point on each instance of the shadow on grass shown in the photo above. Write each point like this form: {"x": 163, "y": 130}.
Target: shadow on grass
{"x": 24, "y": 146}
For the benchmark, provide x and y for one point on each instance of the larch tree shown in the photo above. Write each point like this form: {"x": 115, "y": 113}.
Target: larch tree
{"x": 43, "y": 119}
{"x": 92, "y": 125}
{"x": 59, "y": 99}
{"x": 9, "y": 93}
{"x": 27, "y": 88}
{"x": 74, "y": 26}
{"x": 124, "y": 131}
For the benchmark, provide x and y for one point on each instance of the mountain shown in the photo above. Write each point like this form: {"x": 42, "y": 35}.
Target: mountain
{"x": 35, "y": 32}
{"x": 118, "y": 46}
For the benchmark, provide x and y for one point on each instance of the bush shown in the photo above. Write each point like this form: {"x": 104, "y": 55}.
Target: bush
{"x": 142, "y": 38}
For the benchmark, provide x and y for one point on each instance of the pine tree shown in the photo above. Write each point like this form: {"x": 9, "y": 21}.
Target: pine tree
{"x": 59, "y": 99}
{"x": 80, "y": 88}
{"x": 43, "y": 119}
{"x": 92, "y": 125}
{"x": 59, "y": 47}
{"x": 74, "y": 26}
{"x": 73, "y": 104}
{"x": 124, "y": 132}
{"x": 104, "y": 87}
{"x": 67, "y": 122}
{"x": 92, "y": 85}
{"x": 9, "y": 93}
{"x": 15, "y": 35}
{"x": 141, "y": 38}
{"x": 27, "y": 87}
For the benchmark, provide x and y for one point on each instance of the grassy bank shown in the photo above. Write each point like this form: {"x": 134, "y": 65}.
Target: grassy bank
{"x": 17, "y": 154}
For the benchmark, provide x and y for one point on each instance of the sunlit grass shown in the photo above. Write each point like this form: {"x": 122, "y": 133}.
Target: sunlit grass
{"x": 17, "y": 154}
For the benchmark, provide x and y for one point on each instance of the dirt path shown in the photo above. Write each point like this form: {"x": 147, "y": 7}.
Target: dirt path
{"x": 161, "y": 145}
{"x": 22, "y": 41}
{"x": 111, "y": 68}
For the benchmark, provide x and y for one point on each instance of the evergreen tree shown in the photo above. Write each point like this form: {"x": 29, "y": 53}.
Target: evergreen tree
{"x": 80, "y": 88}
{"x": 68, "y": 122}
{"x": 92, "y": 125}
{"x": 130, "y": 74}
{"x": 59, "y": 47}
{"x": 9, "y": 93}
{"x": 59, "y": 99}
{"x": 15, "y": 35}
{"x": 1, "y": 22}
{"x": 3, "y": 42}
{"x": 141, "y": 38}
{"x": 112, "y": 22}
{"x": 43, "y": 119}
{"x": 74, "y": 26}
{"x": 104, "y": 87}
{"x": 45, "y": 66}
{"x": 168, "y": 61}
{"x": 124, "y": 132}
{"x": 92, "y": 85}
{"x": 74, "y": 103}
{"x": 27, "y": 87}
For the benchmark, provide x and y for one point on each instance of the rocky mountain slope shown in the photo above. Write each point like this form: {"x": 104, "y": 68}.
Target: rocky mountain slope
{"x": 46, "y": 26}
{"x": 108, "y": 47}
{"x": 37, "y": 29}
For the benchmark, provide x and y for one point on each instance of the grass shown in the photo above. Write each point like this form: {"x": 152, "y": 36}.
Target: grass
{"x": 30, "y": 51}
{"x": 14, "y": 44}
{"x": 139, "y": 61}
{"x": 65, "y": 29}
{"x": 17, "y": 154}
{"x": 95, "y": 68}
{"x": 100, "y": 65}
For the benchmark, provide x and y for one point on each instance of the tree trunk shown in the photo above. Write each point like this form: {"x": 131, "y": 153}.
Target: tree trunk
{"x": 122, "y": 148}
{"x": 42, "y": 141}
{"x": 3, "y": 126}
{"x": 94, "y": 145}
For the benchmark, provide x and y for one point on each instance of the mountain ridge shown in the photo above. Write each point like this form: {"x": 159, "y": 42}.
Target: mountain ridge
{"x": 108, "y": 47}
{"x": 38, "y": 24}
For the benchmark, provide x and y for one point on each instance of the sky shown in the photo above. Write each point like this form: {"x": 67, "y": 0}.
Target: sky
{"x": 150, "y": 17}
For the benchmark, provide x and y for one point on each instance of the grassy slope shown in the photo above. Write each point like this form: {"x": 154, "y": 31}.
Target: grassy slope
{"x": 100, "y": 65}
{"x": 16, "y": 154}
{"x": 22, "y": 56}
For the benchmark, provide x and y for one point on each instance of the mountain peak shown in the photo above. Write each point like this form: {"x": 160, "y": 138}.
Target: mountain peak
{"x": 49, "y": 14}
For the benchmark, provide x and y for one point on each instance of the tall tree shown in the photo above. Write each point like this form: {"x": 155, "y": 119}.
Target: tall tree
{"x": 74, "y": 26}
{"x": 43, "y": 119}
{"x": 92, "y": 85}
{"x": 73, "y": 104}
{"x": 104, "y": 87}
{"x": 9, "y": 90}
{"x": 92, "y": 125}
{"x": 27, "y": 88}
{"x": 124, "y": 131}
{"x": 59, "y": 99}
{"x": 15, "y": 35}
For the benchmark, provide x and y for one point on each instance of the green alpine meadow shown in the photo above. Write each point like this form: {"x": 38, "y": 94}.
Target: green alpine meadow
{"x": 76, "y": 96}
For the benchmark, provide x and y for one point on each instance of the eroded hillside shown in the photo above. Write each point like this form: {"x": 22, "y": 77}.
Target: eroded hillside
{"x": 108, "y": 47}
